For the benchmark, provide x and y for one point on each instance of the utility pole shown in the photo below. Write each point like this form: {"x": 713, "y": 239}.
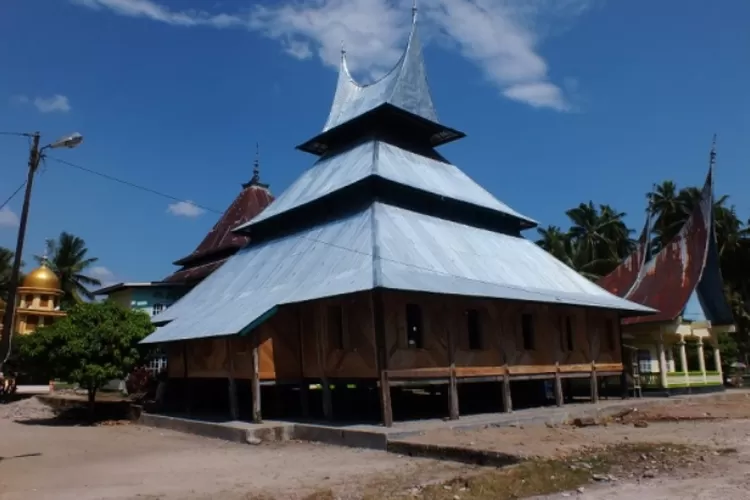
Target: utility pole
{"x": 10, "y": 308}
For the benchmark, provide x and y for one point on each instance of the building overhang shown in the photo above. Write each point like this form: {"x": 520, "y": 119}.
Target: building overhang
{"x": 118, "y": 287}
{"x": 384, "y": 117}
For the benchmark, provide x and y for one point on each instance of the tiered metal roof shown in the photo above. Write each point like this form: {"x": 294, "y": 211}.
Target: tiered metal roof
{"x": 382, "y": 246}
{"x": 373, "y": 238}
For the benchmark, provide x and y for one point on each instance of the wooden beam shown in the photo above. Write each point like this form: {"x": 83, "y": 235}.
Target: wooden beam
{"x": 559, "y": 400}
{"x": 381, "y": 357}
{"x": 234, "y": 412}
{"x": 319, "y": 349}
{"x": 594, "y": 384}
{"x": 452, "y": 386}
{"x": 257, "y": 416}
{"x": 188, "y": 395}
{"x": 507, "y": 401}
{"x": 304, "y": 385}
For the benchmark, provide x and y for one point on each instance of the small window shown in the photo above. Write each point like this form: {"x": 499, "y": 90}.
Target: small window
{"x": 156, "y": 309}
{"x": 527, "y": 331}
{"x": 414, "y": 333}
{"x": 335, "y": 322}
{"x": 32, "y": 321}
{"x": 609, "y": 331}
{"x": 44, "y": 301}
{"x": 474, "y": 328}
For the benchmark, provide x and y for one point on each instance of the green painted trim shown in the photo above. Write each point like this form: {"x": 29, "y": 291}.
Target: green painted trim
{"x": 259, "y": 321}
{"x": 696, "y": 384}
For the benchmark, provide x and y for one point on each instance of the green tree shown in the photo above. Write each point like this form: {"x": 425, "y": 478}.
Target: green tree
{"x": 6, "y": 266}
{"x": 94, "y": 343}
{"x": 68, "y": 257}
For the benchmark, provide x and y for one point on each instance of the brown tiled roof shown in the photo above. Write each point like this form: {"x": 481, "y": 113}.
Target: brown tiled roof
{"x": 221, "y": 242}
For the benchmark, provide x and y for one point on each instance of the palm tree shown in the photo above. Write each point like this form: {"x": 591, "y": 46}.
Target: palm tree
{"x": 555, "y": 241}
{"x": 668, "y": 211}
{"x": 68, "y": 258}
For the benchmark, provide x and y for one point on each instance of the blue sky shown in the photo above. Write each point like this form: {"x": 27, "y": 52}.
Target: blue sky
{"x": 562, "y": 102}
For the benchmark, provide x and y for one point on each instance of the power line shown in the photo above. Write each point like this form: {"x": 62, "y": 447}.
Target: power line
{"x": 131, "y": 184}
{"x": 21, "y": 134}
{"x": 18, "y": 190}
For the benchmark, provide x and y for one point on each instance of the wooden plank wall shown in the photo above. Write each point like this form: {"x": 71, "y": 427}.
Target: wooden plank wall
{"x": 291, "y": 341}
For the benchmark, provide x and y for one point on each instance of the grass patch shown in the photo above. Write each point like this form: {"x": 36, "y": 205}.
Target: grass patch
{"x": 547, "y": 476}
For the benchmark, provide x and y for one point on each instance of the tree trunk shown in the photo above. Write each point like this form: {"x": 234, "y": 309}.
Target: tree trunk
{"x": 92, "y": 402}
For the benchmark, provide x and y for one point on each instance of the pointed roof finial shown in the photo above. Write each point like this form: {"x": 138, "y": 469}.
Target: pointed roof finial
{"x": 414, "y": 9}
{"x": 256, "y": 165}
{"x": 45, "y": 254}
{"x": 343, "y": 48}
{"x": 712, "y": 155}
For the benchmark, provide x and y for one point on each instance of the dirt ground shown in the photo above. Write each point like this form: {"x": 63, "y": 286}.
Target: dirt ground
{"x": 61, "y": 462}
{"x": 719, "y": 423}
{"x": 42, "y": 458}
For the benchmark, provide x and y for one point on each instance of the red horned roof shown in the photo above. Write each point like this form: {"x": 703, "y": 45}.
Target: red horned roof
{"x": 667, "y": 281}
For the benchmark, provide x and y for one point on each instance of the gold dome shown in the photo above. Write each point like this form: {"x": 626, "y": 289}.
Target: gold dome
{"x": 42, "y": 278}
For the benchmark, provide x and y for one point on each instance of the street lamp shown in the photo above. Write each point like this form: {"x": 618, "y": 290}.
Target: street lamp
{"x": 35, "y": 157}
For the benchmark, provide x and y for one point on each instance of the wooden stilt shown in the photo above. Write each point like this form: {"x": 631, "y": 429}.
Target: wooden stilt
{"x": 234, "y": 412}
{"x": 304, "y": 398}
{"x": 188, "y": 396}
{"x": 325, "y": 384}
{"x": 304, "y": 385}
{"x": 452, "y": 382}
{"x": 507, "y": 401}
{"x": 594, "y": 384}
{"x": 381, "y": 358}
{"x": 257, "y": 416}
{"x": 559, "y": 400}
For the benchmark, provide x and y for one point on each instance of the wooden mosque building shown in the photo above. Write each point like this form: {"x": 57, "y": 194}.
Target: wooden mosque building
{"x": 683, "y": 282}
{"x": 384, "y": 267}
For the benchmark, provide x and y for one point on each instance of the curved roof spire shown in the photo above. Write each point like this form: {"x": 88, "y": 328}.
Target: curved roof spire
{"x": 404, "y": 86}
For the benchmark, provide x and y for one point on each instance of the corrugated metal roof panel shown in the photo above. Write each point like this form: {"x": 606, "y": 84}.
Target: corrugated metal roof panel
{"x": 331, "y": 259}
{"x": 442, "y": 178}
{"x": 329, "y": 174}
{"x": 414, "y": 252}
{"x": 389, "y": 162}
{"x": 423, "y": 253}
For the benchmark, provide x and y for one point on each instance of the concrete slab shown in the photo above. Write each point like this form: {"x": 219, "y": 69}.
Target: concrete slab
{"x": 392, "y": 439}
{"x": 32, "y": 390}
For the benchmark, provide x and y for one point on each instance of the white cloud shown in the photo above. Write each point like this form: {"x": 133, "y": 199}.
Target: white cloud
{"x": 185, "y": 209}
{"x": 55, "y": 103}
{"x": 8, "y": 217}
{"x": 501, "y": 37}
{"x": 101, "y": 273}
{"x": 51, "y": 104}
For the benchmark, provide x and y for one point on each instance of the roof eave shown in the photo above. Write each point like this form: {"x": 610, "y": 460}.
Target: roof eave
{"x": 437, "y": 134}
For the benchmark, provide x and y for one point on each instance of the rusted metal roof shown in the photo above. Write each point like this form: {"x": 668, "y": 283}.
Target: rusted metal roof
{"x": 667, "y": 281}
{"x": 194, "y": 274}
{"x": 620, "y": 281}
{"x": 221, "y": 241}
